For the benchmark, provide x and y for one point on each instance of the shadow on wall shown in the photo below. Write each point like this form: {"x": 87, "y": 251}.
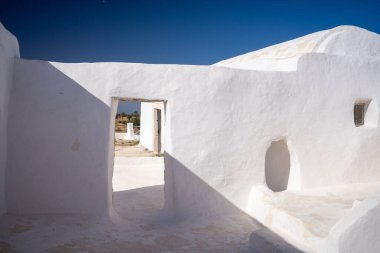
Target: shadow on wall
{"x": 59, "y": 154}
{"x": 192, "y": 197}
{"x": 58, "y": 144}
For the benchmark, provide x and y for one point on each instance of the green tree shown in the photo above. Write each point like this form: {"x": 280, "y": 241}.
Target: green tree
{"x": 135, "y": 120}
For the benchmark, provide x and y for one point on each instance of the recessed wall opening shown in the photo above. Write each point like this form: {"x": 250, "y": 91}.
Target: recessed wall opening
{"x": 277, "y": 165}
{"x": 365, "y": 112}
{"x": 138, "y": 173}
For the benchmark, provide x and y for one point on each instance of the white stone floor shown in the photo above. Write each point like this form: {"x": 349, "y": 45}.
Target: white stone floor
{"x": 138, "y": 198}
{"x": 132, "y": 151}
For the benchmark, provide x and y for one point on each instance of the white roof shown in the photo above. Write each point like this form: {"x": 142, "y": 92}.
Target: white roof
{"x": 342, "y": 40}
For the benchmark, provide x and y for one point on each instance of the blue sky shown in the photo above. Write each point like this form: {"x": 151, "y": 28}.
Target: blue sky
{"x": 129, "y": 107}
{"x": 184, "y": 32}
{"x": 181, "y": 32}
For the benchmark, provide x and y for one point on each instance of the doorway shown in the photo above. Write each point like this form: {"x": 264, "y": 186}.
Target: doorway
{"x": 138, "y": 173}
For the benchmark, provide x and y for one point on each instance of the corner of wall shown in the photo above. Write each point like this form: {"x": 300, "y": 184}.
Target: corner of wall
{"x": 9, "y": 49}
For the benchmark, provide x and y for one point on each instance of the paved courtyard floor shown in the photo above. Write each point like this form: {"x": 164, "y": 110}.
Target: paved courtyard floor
{"x": 136, "y": 226}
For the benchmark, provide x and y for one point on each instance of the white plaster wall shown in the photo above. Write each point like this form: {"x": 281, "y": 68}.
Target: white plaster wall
{"x": 146, "y": 125}
{"x": 346, "y": 151}
{"x": 57, "y": 164}
{"x": 8, "y": 50}
{"x": 359, "y": 230}
{"x": 208, "y": 171}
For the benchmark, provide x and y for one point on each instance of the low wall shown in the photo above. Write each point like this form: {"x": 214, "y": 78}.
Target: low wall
{"x": 359, "y": 230}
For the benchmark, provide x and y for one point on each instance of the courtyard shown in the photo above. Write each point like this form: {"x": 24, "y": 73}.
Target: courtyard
{"x": 137, "y": 224}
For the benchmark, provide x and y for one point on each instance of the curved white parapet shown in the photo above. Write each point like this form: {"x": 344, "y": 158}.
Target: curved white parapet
{"x": 359, "y": 230}
{"x": 330, "y": 220}
{"x": 342, "y": 40}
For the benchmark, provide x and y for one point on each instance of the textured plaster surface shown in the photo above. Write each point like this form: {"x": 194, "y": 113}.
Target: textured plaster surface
{"x": 202, "y": 161}
{"x": 65, "y": 165}
{"x": 342, "y": 40}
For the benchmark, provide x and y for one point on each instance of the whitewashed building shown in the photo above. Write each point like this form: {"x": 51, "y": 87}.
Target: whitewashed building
{"x": 288, "y": 134}
{"x": 152, "y": 131}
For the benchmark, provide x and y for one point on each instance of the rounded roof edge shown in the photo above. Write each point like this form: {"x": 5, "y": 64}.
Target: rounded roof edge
{"x": 349, "y": 40}
{"x": 341, "y": 40}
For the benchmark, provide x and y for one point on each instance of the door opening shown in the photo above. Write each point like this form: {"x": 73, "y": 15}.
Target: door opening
{"x": 138, "y": 174}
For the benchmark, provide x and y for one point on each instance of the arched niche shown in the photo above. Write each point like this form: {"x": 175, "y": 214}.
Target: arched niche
{"x": 277, "y": 165}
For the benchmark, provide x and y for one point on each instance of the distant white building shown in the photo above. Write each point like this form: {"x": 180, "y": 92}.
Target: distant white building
{"x": 288, "y": 135}
{"x": 152, "y": 130}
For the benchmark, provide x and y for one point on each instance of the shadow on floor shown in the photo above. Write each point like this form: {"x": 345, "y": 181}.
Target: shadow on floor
{"x": 136, "y": 230}
{"x": 231, "y": 233}
{"x": 140, "y": 203}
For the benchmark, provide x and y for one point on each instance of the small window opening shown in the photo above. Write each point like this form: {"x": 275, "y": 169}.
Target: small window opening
{"x": 360, "y": 109}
